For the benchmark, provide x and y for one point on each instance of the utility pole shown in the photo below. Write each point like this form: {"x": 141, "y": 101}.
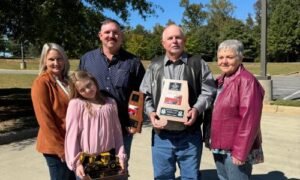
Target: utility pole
{"x": 264, "y": 79}
{"x": 23, "y": 63}
{"x": 263, "y": 44}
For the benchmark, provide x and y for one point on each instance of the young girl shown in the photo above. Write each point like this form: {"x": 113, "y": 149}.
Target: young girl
{"x": 92, "y": 123}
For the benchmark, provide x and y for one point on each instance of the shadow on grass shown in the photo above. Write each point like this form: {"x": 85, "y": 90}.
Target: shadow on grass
{"x": 16, "y": 110}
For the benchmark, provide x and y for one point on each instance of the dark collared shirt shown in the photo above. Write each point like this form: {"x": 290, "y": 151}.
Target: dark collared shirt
{"x": 118, "y": 77}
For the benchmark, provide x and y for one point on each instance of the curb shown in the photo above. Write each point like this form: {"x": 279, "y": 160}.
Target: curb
{"x": 13, "y": 136}
{"x": 289, "y": 110}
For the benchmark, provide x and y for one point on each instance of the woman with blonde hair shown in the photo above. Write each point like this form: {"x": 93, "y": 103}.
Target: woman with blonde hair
{"x": 50, "y": 98}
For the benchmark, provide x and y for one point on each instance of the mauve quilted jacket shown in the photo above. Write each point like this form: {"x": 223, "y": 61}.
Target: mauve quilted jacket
{"x": 237, "y": 114}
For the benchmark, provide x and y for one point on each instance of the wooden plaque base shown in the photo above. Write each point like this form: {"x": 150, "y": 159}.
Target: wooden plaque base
{"x": 135, "y": 111}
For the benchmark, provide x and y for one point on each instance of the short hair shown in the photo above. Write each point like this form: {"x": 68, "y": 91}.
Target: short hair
{"x": 232, "y": 44}
{"x": 180, "y": 29}
{"x": 107, "y": 21}
{"x": 53, "y": 46}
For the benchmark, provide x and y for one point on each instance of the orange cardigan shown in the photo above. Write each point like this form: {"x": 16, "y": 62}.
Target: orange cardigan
{"x": 50, "y": 105}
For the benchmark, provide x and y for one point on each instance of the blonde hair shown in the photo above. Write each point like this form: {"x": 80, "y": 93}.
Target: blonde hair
{"x": 53, "y": 46}
{"x": 81, "y": 76}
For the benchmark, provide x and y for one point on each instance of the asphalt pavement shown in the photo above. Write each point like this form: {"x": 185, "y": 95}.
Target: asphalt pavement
{"x": 286, "y": 87}
{"x": 281, "y": 144}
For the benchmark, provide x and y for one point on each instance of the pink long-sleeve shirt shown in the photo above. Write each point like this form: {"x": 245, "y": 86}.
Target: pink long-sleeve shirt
{"x": 92, "y": 134}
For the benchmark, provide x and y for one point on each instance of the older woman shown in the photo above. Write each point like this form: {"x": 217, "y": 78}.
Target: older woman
{"x": 235, "y": 129}
{"x": 50, "y": 99}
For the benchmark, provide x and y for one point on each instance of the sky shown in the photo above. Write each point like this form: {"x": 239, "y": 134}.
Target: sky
{"x": 174, "y": 12}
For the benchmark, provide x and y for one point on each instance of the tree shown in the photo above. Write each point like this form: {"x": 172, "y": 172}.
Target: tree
{"x": 72, "y": 23}
{"x": 284, "y": 31}
{"x": 121, "y": 8}
{"x": 18, "y": 20}
{"x": 252, "y": 40}
{"x": 155, "y": 46}
{"x": 193, "y": 15}
{"x": 137, "y": 41}
{"x": 219, "y": 13}
{"x": 199, "y": 41}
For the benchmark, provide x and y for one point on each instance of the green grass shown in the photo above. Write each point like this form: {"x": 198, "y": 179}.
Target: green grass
{"x": 16, "y": 80}
{"x": 32, "y": 64}
{"x": 272, "y": 68}
{"x": 286, "y": 103}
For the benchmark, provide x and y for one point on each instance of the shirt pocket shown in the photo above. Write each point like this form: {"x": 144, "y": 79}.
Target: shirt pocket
{"x": 122, "y": 78}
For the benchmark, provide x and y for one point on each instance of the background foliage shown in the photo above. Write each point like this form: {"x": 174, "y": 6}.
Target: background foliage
{"x": 75, "y": 23}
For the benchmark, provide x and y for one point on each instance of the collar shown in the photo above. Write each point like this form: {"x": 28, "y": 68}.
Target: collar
{"x": 116, "y": 57}
{"x": 222, "y": 79}
{"x": 183, "y": 58}
{"x": 49, "y": 76}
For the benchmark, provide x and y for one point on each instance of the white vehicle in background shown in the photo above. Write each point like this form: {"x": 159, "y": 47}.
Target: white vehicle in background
{"x": 6, "y": 54}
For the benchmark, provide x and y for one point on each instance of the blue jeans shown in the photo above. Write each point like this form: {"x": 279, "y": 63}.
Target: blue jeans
{"x": 58, "y": 170}
{"x": 185, "y": 148}
{"x": 228, "y": 171}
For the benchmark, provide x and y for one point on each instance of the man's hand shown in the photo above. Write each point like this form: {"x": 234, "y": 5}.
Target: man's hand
{"x": 155, "y": 121}
{"x": 80, "y": 171}
{"x": 192, "y": 116}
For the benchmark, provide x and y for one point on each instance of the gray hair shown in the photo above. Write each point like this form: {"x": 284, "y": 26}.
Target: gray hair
{"x": 53, "y": 46}
{"x": 233, "y": 44}
{"x": 170, "y": 25}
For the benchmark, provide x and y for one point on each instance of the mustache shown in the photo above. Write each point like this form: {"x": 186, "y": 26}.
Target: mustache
{"x": 112, "y": 39}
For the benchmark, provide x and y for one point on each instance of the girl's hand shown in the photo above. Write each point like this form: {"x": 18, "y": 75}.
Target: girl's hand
{"x": 237, "y": 162}
{"x": 123, "y": 164}
{"x": 80, "y": 171}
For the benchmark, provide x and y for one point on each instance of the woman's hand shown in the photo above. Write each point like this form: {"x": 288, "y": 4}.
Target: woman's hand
{"x": 237, "y": 162}
{"x": 62, "y": 158}
{"x": 80, "y": 171}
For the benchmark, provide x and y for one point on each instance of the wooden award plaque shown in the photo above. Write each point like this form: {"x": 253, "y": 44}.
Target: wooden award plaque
{"x": 135, "y": 111}
{"x": 173, "y": 104}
